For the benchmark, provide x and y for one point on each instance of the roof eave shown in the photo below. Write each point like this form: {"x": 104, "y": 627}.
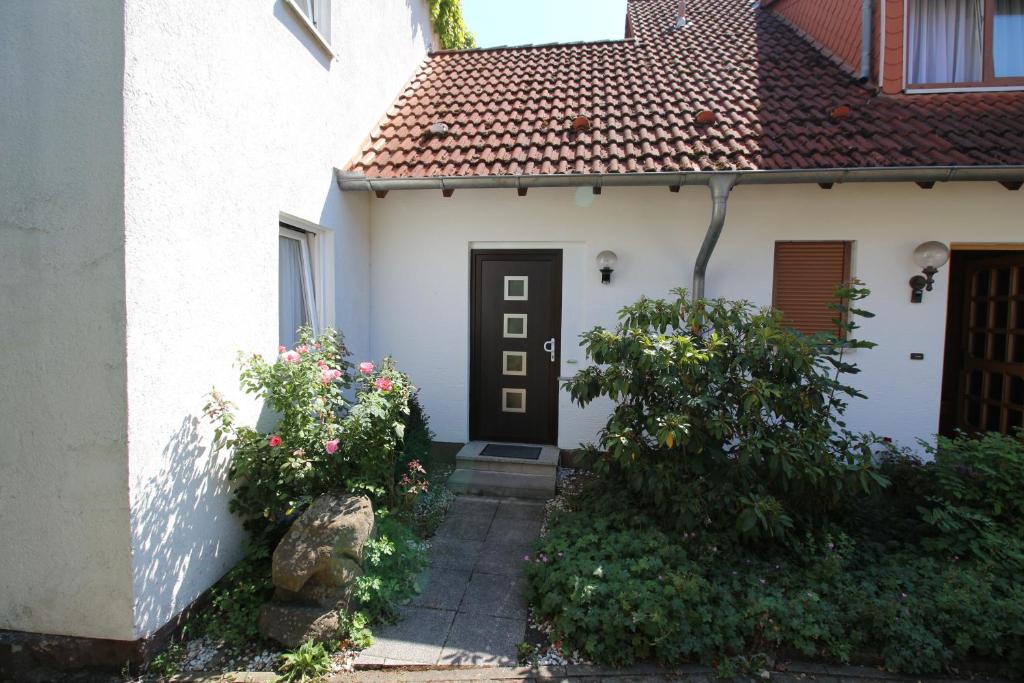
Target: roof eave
{"x": 352, "y": 182}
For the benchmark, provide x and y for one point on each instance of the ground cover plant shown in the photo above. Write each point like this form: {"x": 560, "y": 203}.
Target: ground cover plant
{"x": 333, "y": 427}
{"x": 735, "y": 518}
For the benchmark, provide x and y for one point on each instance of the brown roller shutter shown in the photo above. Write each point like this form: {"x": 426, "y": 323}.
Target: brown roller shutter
{"x": 806, "y": 276}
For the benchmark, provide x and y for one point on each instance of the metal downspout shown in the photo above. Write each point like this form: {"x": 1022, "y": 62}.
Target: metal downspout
{"x": 720, "y": 186}
{"x": 866, "y": 37}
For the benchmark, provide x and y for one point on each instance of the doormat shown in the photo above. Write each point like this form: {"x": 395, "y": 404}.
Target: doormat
{"x": 495, "y": 450}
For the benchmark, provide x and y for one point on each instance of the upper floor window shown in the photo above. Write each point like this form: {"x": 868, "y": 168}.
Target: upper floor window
{"x": 316, "y": 15}
{"x": 954, "y": 43}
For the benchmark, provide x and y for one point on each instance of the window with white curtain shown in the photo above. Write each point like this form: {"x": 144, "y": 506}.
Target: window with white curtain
{"x": 316, "y": 15}
{"x": 296, "y": 285}
{"x": 965, "y": 42}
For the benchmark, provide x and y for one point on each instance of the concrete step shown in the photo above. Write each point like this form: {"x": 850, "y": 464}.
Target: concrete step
{"x": 502, "y": 484}
{"x": 469, "y": 457}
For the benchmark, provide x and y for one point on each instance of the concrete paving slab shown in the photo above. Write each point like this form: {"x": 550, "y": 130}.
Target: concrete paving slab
{"x": 441, "y": 588}
{"x": 474, "y": 506}
{"x": 465, "y": 525}
{"x": 502, "y": 559}
{"x": 454, "y": 553}
{"x": 513, "y": 531}
{"x": 477, "y": 639}
{"x": 495, "y": 595}
{"x": 520, "y": 509}
{"x": 418, "y": 636}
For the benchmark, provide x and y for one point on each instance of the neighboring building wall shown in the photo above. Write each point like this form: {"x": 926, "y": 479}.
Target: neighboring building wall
{"x": 834, "y": 24}
{"x": 65, "y": 561}
{"x": 233, "y": 113}
{"x": 892, "y": 25}
{"x": 421, "y": 244}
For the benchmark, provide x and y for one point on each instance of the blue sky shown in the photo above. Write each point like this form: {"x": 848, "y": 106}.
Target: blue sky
{"x": 516, "y": 22}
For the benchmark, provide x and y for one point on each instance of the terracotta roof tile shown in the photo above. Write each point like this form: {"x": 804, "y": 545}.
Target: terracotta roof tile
{"x": 510, "y": 110}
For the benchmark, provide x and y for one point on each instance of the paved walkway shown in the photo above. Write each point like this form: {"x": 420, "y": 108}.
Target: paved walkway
{"x": 471, "y": 610}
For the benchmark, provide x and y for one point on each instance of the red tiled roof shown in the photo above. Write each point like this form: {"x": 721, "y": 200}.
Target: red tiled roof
{"x": 510, "y": 110}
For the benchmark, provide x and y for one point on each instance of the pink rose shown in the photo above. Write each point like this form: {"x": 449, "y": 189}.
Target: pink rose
{"x": 281, "y": 349}
{"x": 383, "y": 383}
{"x": 321, "y": 363}
{"x": 274, "y": 441}
{"x": 366, "y": 367}
{"x": 331, "y": 446}
{"x": 290, "y": 357}
{"x": 328, "y": 375}
{"x": 317, "y": 346}
{"x": 302, "y": 348}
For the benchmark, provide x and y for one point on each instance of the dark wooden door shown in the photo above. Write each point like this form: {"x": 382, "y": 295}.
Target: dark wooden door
{"x": 516, "y": 309}
{"x": 990, "y": 393}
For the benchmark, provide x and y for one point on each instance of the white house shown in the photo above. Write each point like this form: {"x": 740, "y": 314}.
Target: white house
{"x": 743, "y": 148}
{"x": 763, "y": 151}
{"x": 150, "y": 153}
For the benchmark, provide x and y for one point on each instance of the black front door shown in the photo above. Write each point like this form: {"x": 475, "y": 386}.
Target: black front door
{"x": 516, "y": 309}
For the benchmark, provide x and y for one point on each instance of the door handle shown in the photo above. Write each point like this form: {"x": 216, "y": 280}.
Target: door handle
{"x": 549, "y": 346}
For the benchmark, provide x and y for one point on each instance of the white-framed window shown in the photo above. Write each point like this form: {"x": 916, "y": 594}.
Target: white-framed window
{"x": 297, "y": 285}
{"x": 964, "y": 44}
{"x": 517, "y": 288}
{"x": 315, "y": 16}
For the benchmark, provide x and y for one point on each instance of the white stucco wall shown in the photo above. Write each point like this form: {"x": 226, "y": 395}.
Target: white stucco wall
{"x": 420, "y": 275}
{"x": 233, "y": 114}
{"x": 65, "y": 566}
{"x": 149, "y": 149}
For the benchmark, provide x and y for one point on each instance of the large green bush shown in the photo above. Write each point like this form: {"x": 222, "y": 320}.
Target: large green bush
{"x": 320, "y": 442}
{"x": 965, "y": 502}
{"x": 727, "y": 427}
{"x": 725, "y": 418}
{"x": 617, "y": 589}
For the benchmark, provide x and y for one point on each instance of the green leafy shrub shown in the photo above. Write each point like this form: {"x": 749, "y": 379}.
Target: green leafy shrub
{"x": 426, "y": 494}
{"x": 236, "y": 599}
{"x": 166, "y": 663}
{"x": 446, "y": 18}
{"x": 964, "y": 503}
{"x": 310, "y": 662}
{"x": 725, "y": 418}
{"x": 618, "y": 589}
{"x": 355, "y": 631}
{"x": 320, "y": 443}
{"x": 391, "y": 562}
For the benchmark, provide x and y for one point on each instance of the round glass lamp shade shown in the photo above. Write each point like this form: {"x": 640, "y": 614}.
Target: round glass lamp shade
{"x": 931, "y": 255}
{"x": 607, "y": 259}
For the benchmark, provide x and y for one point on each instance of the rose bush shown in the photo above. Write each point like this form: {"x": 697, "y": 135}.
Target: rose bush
{"x": 320, "y": 441}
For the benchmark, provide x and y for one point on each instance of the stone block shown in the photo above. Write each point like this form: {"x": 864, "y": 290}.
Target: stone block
{"x": 292, "y": 625}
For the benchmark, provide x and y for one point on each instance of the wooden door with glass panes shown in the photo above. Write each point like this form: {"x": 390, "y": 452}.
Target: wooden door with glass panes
{"x": 991, "y": 396}
{"x": 516, "y": 310}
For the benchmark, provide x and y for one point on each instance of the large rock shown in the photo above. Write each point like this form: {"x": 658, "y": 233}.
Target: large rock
{"x": 325, "y": 543}
{"x": 293, "y": 625}
{"x": 314, "y": 567}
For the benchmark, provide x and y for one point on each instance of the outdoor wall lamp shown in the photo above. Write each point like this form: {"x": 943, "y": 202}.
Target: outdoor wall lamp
{"x": 606, "y": 261}
{"x": 930, "y": 256}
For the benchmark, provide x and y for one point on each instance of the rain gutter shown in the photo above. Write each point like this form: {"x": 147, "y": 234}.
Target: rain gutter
{"x": 354, "y": 182}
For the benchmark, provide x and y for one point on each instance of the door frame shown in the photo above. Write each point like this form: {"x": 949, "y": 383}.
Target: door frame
{"x": 476, "y": 260}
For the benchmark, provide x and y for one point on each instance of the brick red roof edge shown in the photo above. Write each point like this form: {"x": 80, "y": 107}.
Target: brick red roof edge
{"x": 736, "y": 88}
